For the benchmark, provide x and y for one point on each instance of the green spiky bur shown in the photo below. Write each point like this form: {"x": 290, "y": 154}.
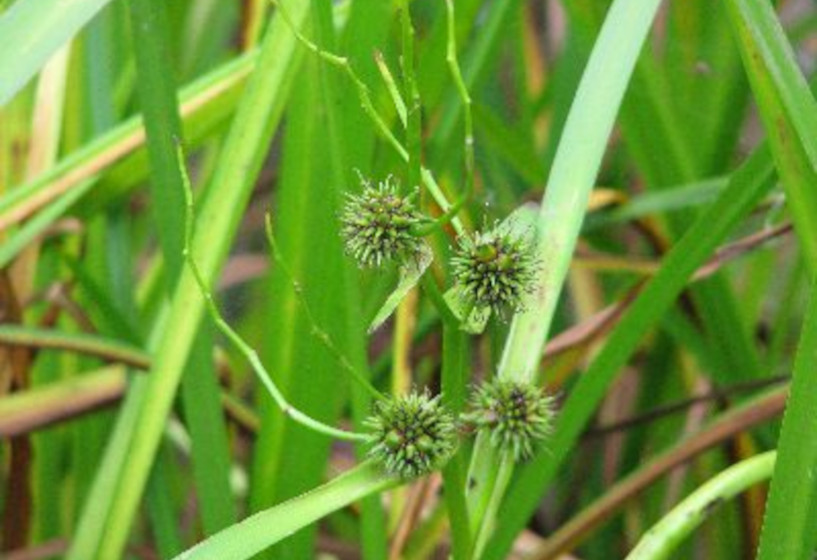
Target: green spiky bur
{"x": 495, "y": 269}
{"x": 412, "y": 435}
{"x": 517, "y": 415}
{"x": 378, "y": 225}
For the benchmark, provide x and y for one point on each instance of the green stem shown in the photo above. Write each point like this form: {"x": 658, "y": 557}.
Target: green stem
{"x": 455, "y": 375}
{"x": 262, "y": 530}
{"x": 368, "y": 107}
{"x": 245, "y": 349}
{"x": 571, "y": 181}
{"x": 317, "y": 331}
{"x": 664, "y": 537}
{"x": 414, "y": 115}
{"x": 491, "y": 505}
{"x": 392, "y": 88}
{"x": 452, "y": 210}
{"x": 81, "y": 343}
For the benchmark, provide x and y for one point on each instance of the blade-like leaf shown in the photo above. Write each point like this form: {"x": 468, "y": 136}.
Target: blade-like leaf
{"x": 108, "y": 516}
{"x": 264, "y": 529}
{"x": 790, "y": 525}
{"x": 571, "y": 180}
{"x": 788, "y": 111}
{"x": 410, "y": 273}
{"x": 746, "y": 187}
{"x": 32, "y": 30}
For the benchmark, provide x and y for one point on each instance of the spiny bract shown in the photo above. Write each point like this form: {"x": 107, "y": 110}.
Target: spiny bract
{"x": 377, "y": 225}
{"x": 412, "y": 435}
{"x": 495, "y": 269}
{"x": 516, "y": 414}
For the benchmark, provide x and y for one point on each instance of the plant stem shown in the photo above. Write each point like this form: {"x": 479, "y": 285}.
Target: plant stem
{"x": 455, "y": 376}
{"x": 246, "y": 350}
{"x": 317, "y": 331}
{"x": 571, "y": 180}
{"x": 664, "y": 537}
{"x": 368, "y": 107}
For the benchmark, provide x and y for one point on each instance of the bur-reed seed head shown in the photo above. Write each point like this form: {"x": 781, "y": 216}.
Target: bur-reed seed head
{"x": 495, "y": 269}
{"x": 377, "y": 225}
{"x": 517, "y": 415}
{"x": 412, "y": 435}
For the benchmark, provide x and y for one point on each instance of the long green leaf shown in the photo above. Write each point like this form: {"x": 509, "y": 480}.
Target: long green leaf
{"x": 32, "y": 31}
{"x": 257, "y": 117}
{"x": 788, "y": 111}
{"x": 264, "y": 529}
{"x": 200, "y": 391}
{"x": 571, "y": 180}
{"x": 790, "y": 524}
{"x": 746, "y": 187}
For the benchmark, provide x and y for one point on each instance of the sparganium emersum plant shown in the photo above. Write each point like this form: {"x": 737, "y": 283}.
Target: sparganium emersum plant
{"x": 415, "y": 434}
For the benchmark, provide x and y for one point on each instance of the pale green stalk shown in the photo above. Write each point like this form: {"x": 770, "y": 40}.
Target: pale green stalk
{"x": 391, "y": 86}
{"x": 571, "y": 181}
{"x": 342, "y": 62}
{"x": 32, "y": 31}
{"x": 245, "y": 349}
{"x": 663, "y": 538}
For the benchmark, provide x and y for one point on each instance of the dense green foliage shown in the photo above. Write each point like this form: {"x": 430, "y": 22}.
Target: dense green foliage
{"x": 484, "y": 279}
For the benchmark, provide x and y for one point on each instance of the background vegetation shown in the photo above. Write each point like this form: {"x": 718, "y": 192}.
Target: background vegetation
{"x": 672, "y": 146}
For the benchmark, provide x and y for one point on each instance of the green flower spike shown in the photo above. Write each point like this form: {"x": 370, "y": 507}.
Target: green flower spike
{"x": 517, "y": 415}
{"x": 495, "y": 269}
{"x": 377, "y": 225}
{"x": 412, "y": 435}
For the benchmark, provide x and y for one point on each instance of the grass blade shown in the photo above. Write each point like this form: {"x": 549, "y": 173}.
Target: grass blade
{"x": 258, "y": 115}
{"x": 571, "y": 180}
{"x": 788, "y": 111}
{"x": 790, "y": 524}
{"x": 36, "y": 30}
{"x": 200, "y": 392}
{"x": 746, "y": 187}
{"x": 264, "y": 529}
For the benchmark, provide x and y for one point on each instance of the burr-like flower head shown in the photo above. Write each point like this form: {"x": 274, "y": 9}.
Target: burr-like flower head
{"x": 412, "y": 435}
{"x": 377, "y": 225}
{"x": 517, "y": 415}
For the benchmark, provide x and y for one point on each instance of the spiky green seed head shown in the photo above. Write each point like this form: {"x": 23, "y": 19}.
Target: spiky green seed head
{"x": 517, "y": 415}
{"x": 377, "y": 225}
{"x": 495, "y": 269}
{"x": 412, "y": 435}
